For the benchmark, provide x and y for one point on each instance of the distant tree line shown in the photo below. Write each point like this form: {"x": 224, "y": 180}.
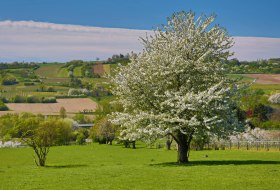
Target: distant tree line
{"x": 18, "y": 65}
{"x": 260, "y": 66}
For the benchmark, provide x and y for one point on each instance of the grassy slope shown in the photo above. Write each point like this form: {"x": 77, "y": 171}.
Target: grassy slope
{"x": 267, "y": 88}
{"x": 62, "y": 72}
{"x": 53, "y": 73}
{"x": 113, "y": 167}
{"x": 49, "y": 70}
{"x": 240, "y": 76}
{"x": 78, "y": 71}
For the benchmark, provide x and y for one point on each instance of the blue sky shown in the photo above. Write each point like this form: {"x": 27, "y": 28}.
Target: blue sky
{"x": 63, "y": 30}
{"x": 258, "y": 18}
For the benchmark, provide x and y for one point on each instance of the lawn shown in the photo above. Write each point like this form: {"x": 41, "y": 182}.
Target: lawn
{"x": 114, "y": 167}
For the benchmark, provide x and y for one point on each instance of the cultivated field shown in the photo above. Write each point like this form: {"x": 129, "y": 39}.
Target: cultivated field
{"x": 53, "y": 73}
{"x": 74, "y": 105}
{"x": 266, "y": 78}
{"x": 114, "y": 167}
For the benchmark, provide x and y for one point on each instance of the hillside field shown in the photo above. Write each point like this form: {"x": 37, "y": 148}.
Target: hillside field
{"x": 74, "y": 105}
{"x": 53, "y": 73}
{"x": 114, "y": 167}
{"x": 265, "y": 78}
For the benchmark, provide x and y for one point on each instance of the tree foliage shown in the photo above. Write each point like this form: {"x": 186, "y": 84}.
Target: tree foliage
{"x": 37, "y": 132}
{"x": 177, "y": 86}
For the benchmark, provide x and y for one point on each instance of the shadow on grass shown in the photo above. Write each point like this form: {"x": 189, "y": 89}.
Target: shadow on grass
{"x": 67, "y": 166}
{"x": 216, "y": 163}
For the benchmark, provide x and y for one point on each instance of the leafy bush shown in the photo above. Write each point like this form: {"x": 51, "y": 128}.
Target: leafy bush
{"x": 274, "y": 99}
{"x": 29, "y": 84}
{"x": 200, "y": 140}
{"x": 4, "y": 100}
{"x": 262, "y": 112}
{"x": 50, "y": 89}
{"x": 82, "y": 118}
{"x": 19, "y": 99}
{"x": 48, "y": 100}
{"x": 9, "y": 80}
{"x": 64, "y": 132}
{"x": 82, "y": 135}
{"x": 32, "y": 99}
{"x": 78, "y": 92}
{"x": 3, "y": 107}
{"x": 103, "y": 131}
{"x": 37, "y": 132}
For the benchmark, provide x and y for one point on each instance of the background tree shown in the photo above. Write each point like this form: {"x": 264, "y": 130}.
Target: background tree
{"x": 3, "y": 107}
{"x": 103, "y": 131}
{"x": 177, "y": 86}
{"x": 62, "y": 112}
{"x": 35, "y": 131}
{"x": 82, "y": 135}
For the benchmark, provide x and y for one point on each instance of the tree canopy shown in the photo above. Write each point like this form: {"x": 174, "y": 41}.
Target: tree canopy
{"x": 177, "y": 86}
{"x": 37, "y": 132}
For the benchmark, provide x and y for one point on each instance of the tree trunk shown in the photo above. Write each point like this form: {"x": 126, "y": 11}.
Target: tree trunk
{"x": 184, "y": 142}
{"x": 133, "y": 145}
{"x": 168, "y": 142}
{"x": 168, "y": 145}
{"x": 41, "y": 154}
{"x": 126, "y": 144}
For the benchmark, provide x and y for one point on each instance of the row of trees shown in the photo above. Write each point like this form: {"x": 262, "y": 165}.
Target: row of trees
{"x": 28, "y": 99}
{"x": 261, "y": 66}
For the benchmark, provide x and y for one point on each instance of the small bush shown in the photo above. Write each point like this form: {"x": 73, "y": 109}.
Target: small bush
{"x": 32, "y": 99}
{"x": 50, "y": 89}
{"x": 19, "y": 99}
{"x": 9, "y": 80}
{"x": 48, "y": 100}
{"x": 3, "y": 107}
{"x": 82, "y": 135}
{"x": 262, "y": 112}
{"x": 78, "y": 92}
{"x": 29, "y": 84}
{"x": 4, "y": 100}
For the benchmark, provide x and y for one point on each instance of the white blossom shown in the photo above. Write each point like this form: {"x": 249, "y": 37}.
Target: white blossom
{"x": 177, "y": 84}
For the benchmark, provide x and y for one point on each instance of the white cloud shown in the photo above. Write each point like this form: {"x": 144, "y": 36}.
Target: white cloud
{"x": 38, "y": 41}
{"x": 253, "y": 48}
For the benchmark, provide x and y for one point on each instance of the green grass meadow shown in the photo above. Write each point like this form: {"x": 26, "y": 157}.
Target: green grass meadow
{"x": 114, "y": 167}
